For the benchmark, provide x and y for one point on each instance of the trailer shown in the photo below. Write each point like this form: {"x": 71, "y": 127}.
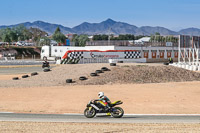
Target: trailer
{"x": 76, "y": 56}
{"x": 151, "y": 54}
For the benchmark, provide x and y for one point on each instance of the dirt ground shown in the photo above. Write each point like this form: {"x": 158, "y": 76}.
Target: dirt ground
{"x": 35, "y": 127}
{"x": 154, "y": 98}
{"x": 120, "y": 74}
{"x": 39, "y": 95}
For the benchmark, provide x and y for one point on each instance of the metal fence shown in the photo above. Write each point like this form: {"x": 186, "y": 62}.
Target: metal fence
{"x": 127, "y": 43}
{"x": 93, "y": 60}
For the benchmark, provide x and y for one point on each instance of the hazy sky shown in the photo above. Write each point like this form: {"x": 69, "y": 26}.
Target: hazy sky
{"x": 172, "y": 14}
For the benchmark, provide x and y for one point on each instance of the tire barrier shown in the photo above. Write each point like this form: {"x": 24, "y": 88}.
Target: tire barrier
{"x": 82, "y": 78}
{"x": 104, "y": 69}
{"x": 120, "y": 61}
{"x": 112, "y": 64}
{"x": 15, "y": 78}
{"x": 98, "y": 71}
{"x": 25, "y": 76}
{"x": 166, "y": 63}
{"x": 69, "y": 81}
{"x": 46, "y": 70}
{"x": 93, "y": 74}
{"x": 34, "y": 73}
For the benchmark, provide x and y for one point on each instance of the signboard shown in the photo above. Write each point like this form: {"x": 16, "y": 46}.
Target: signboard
{"x": 169, "y": 44}
{"x": 110, "y": 54}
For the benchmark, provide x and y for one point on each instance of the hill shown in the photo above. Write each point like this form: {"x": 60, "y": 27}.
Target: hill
{"x": 108, "y": 26}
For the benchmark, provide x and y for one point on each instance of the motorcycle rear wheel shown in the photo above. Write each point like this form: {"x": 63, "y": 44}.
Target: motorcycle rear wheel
{"x": 117, "y": 112}
{"x": 89, "y": 113}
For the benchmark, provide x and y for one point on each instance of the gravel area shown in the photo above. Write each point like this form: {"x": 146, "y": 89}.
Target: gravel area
{"x": 120, "y": 74}
{"x": 56, "y": 77}
{"x": 127, "y": 74}
{"x": 35, "y": 127}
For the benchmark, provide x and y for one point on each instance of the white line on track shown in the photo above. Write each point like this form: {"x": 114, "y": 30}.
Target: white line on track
{"x": 145, "y": 114}
{"x": 6, "y": 112}
{"x": 165, "y": 114}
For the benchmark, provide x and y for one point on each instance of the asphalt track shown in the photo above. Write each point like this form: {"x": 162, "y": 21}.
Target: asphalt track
{"x": 100, "y": 118}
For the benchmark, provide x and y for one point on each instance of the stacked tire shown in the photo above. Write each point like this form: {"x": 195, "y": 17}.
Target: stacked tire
{"x": 25, "y": 76}
{"x": 98, "y": 71}
{"x": 166, "y": 63}
{"x": 16, "y": 78}
{"x": 82, "y": 78}
{"x": 93, "y": 74}
{"x": 104, "y": 69}
{"x": 46, "y": 70}
{"x": 112, "y": 64}
{"x": 34, "y": 73}
{"x": 69, "y": 81}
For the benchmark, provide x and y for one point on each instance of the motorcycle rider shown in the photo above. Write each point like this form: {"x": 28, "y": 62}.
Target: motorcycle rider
{"x": 105, "y": 100}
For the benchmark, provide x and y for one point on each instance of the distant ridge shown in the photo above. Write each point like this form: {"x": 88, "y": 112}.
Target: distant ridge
{"x": 108, "y": 26}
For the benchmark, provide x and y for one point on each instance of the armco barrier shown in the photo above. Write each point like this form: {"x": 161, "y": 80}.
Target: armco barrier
{"x": 141, "y": 60}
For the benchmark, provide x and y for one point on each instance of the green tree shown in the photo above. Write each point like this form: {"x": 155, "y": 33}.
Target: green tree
{"x": 6, "y": 38}
{"x": 157, "y": 34}
{"x": 44, "y": 41}
{"x": 80, "y": 40}
{"x": 58, "y": 36}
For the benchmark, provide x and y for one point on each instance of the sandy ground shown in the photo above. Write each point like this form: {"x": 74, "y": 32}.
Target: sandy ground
{"x": 162, "y": 98}
{"x": 121, "y": 74}
{"x": 152, "y": 98}
{"x": 35, "y": 127}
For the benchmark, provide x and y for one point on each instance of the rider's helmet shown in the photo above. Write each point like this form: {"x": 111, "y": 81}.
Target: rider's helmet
{"x": 100, "y": 94}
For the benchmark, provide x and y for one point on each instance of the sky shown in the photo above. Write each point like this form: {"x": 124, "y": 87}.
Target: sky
{"x": 172, "y": 14}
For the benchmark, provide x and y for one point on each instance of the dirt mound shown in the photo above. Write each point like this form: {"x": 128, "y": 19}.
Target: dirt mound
{"x": 143, "y": 74}
{"x": 121, "y": 74}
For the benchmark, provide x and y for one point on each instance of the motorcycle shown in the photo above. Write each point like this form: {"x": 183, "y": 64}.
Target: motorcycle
{"x": 95, "y": 106}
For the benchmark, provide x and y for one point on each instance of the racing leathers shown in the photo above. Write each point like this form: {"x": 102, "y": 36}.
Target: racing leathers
{"x": 106, "y": 101}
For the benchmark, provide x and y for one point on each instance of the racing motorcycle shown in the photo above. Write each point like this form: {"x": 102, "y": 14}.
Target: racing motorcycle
{"x": 95, "y": 106}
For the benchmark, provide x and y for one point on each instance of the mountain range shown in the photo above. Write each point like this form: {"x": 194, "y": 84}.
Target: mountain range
{"x": 108, "y": 26}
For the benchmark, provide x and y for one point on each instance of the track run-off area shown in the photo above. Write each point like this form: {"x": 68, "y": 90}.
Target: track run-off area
{"x": 80, "y": 118}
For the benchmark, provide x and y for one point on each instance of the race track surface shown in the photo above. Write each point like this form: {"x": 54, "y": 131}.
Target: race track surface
{"x": 100, "y": 118}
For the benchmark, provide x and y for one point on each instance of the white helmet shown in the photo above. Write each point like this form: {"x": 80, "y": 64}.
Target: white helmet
{"x": 100, "y": 94}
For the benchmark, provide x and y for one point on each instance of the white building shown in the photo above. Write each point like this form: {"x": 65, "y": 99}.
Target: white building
{"x": 142, "y": 40}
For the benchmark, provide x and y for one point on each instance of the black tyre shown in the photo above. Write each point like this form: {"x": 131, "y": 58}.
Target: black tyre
{"x": 82, "y": 78}
{"x": 93, "y": 74}
{"x": 104, "y": 69}
{"x": 117, "y": 112}
{"x": 25, "y": 76}
{"x": 112, "y": 64}
{"x": 89, "y": 113}
{"x": 34, "y": 73}
{"x": 166, "y": 63}
{"x": 69, "y": 81}
{"x": 98, "y": 71}
{"x": 120, "y": 62}
{"x": 46, "y": 70}
{"x": 15, "y": 78}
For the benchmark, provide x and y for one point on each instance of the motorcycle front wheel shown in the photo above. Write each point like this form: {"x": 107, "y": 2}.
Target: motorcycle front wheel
{"x": 89, "y": 113}
{"x": 117, "y": 112}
